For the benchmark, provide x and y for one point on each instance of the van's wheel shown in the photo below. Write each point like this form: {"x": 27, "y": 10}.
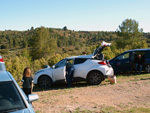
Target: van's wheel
{"x": 45, "y": 82}
{"x": 95, "y": 78}
{"x": 147, "y": 68}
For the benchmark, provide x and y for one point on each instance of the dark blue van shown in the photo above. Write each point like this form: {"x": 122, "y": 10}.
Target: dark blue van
{"x": 124, "y": 62}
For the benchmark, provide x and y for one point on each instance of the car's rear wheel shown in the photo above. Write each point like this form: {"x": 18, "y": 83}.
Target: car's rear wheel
{"x": 95, "y": 78}
{"x": 45, "y": 82}
{"x": 147, "y": 68}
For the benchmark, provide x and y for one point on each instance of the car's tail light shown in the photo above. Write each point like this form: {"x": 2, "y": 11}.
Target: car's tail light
{"x": 1, "y": 59}
{"x": 102, "y": 63}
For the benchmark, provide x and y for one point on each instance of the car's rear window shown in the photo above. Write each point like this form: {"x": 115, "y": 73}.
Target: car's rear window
{"x": 10, "y": 99}
{"x": 80, "y": 60}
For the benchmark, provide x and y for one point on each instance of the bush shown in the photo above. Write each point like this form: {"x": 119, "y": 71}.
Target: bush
{"x": 15, "y": 65}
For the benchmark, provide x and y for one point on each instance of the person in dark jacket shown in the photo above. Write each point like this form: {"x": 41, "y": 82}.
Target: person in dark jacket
{"x": 69, "y": 73}
{"x": 27, "y": 81}
{"x": 139, "y": 61}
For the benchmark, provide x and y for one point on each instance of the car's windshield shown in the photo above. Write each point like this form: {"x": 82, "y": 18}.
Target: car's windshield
{"x": 123, "y": 56}
{"x": 10, "y": 99}
{"x": 2, "y": 67}
{"x": 61, "y": 63}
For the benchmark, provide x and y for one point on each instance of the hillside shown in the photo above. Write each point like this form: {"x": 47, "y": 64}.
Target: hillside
{"x": 14, "y": 40}
{"x": 42, "y": 46}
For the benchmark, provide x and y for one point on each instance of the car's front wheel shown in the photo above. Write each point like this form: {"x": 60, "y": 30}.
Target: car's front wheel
{"x": 95, "y": 78}
{"x": 147, "y": 68}
{"x": 45, "y": 82}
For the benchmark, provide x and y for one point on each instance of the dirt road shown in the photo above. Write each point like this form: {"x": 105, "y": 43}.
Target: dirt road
{"x": 120, "y": 97}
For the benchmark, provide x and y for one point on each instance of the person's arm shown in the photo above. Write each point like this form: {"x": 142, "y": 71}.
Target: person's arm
{"x": 31, "y": 85}
{"x": 143, "y": 59}
{"x": 22, "y": 80}
{"x": 31, "y": 88}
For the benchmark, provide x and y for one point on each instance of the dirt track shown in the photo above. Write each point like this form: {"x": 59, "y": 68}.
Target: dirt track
{"x": 121, "y": 96}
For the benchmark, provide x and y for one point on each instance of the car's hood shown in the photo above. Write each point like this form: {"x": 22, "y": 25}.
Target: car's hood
{"x": 42, "y": 70}
{"x": 101, "y": 47}
{"x": 23, "y": 111}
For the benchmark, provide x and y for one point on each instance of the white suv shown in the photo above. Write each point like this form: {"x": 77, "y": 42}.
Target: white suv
{"x": 91, "y": 68}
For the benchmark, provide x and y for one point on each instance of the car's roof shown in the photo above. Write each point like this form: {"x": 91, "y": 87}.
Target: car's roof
{"x": 5, "y": 76}
{"x": 145, "y": 49}
{"x": 82, "y": 56}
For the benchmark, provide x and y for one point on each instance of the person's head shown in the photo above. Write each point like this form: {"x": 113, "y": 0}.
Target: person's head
{"x": 139, "y": 56}
{"x": 27, "y": 72}
{"x": 68, "y": 64}
{"x": 84, "y": 53}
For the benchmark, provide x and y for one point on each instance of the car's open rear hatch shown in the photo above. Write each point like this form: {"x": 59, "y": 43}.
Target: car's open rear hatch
{"x": 97, "y": 53}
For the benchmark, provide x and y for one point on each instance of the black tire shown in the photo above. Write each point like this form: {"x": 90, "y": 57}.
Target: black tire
{"x": 45, "y": 82}
{"x": 147, "y": 68}
{"x": 95, "y": 78}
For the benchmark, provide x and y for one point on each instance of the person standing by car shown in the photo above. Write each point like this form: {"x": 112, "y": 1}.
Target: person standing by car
{"x": 139, "y": 61}
{"x": 27, "y": 81}
{"x": 69, "y": 73}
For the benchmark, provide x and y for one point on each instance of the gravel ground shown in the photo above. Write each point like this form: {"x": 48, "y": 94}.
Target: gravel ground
{"x": 120, "y": 96}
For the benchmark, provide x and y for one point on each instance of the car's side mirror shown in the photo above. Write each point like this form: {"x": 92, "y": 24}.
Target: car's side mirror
{"x": 53, "y": 66}
{"x": 32, "y": 97}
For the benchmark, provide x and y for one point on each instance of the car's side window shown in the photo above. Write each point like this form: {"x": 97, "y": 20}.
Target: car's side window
{"x": 147, "y": 54}
{"x": 123, "y": 56}
{"x": 70, "y": 61}
{"x": 79, "y": 60}
{"x": 61, "y": 63}
{"x": 132, "y": 56}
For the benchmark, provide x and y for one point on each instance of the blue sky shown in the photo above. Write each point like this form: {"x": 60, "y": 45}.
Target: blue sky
{"x": 87, "y": 15}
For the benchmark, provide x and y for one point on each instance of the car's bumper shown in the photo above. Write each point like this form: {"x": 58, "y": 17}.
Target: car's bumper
{"x": 35, "y": 79}
{"x": 109, "y": 72}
